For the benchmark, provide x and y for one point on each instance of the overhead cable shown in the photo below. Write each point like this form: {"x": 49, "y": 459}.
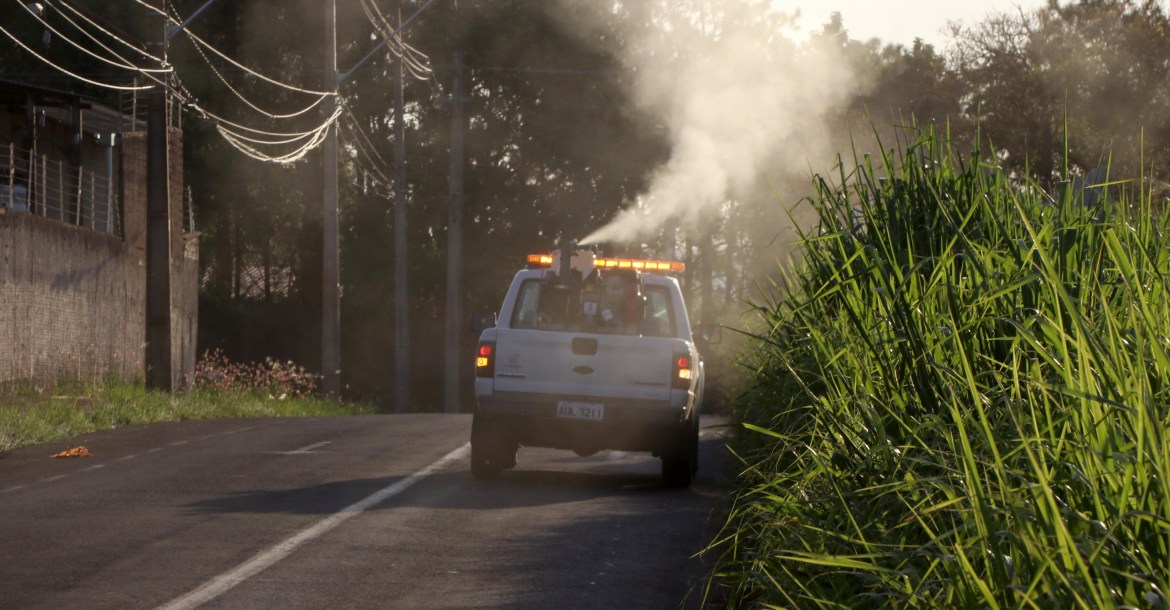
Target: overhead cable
{"x": 363, "y": 163}
{"x": 101, "y": 29}
{"x": 245, "y": 144}
{"x": 228, "y": 59}
{"x": 353, "y": 119}
{"x": 252, "y": 72}
{"x": 285, "y": 159}
{"x": 248, "y": 102}
{"x": 271, "y": 142}
{"x": 69, "y": 73}
{"x": 414, "y": 60}
{"x": 82, "y": 48}
{"x": 355, "y": 128}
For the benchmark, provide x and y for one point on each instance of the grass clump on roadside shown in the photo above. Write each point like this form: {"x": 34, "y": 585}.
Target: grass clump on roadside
{"x": 963, "y": 400}
{"x": 30, "y": 415}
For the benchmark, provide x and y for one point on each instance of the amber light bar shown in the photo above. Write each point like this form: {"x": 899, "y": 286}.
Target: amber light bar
{"x": 540, "y": 260}
{"x": 546, "y": 260}
{"x": 639, "y": 265}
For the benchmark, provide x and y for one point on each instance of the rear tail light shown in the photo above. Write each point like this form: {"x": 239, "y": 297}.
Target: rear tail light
{"x": 485, "y": 359}
{"x": 683, "y": 371}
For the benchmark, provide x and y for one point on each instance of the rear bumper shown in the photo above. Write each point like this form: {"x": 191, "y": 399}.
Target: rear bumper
{"x": 627, "y": 425}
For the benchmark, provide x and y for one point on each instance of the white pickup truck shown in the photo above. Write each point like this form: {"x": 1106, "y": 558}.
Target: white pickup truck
{"x": 589, "y": 354}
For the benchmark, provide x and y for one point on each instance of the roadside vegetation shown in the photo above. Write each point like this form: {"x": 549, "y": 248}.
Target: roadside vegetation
{"x": 30, "y": 414}
{"x": 959, "y": 397}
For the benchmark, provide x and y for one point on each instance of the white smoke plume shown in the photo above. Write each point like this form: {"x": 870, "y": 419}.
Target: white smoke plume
{"x": 745, "y": 106}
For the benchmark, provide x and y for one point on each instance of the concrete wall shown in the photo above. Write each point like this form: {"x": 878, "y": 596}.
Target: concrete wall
{"x": 73, "y": 301}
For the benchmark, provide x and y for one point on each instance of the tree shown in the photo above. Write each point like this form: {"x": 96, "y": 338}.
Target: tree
{"x": 1094, "y": 71}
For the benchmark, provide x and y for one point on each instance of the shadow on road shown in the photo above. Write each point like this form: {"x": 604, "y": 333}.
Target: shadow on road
{"x": 523, "y": 487}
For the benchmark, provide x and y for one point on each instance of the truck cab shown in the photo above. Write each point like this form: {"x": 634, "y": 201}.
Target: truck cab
{"x": 589, "y": 354}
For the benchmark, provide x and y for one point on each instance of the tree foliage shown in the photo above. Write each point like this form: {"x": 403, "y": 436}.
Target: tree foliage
{"x": 569, "y": 119}
{"x": 1091, "y": 77}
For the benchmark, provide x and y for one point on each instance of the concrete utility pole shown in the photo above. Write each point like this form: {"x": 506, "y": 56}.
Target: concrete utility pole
{"x": 158, "y": 246}
{"x": 455, "y": 362}
{"x": 331, "y": 267}
{"x": 401, "y": 292}
{"x": 331, "y": 302}
{"x": 158, "y": 240}
{"x": 706, "y": 289}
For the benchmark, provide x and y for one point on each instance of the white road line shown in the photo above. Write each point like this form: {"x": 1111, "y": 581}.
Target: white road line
{"x": 94, "y": 467}
{"x": 302, "y": 450}
{"x": 13, "y": 488}
{"x": 265, "y": 559}
{"x": 126, "y": 457}
{"x": 177, "y": 443}
{"x": 56, "y": 478}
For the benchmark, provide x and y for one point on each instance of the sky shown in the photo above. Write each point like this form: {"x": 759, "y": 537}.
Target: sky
{"x": 900, "y": 21}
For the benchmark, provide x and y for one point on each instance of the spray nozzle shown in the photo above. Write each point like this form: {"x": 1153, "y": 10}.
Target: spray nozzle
{"x": 568, "y": 249}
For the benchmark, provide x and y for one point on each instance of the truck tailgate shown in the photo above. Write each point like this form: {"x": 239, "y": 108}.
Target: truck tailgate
{"x": 583, "y": 364}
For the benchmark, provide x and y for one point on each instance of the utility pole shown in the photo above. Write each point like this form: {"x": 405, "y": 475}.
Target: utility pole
{"x": 158, "y": 357}
{"x": 706, "y": 249}
{"x": 158, "y": 240}
{"x": 670, "y": 239}
{"x": 331, "y": 274}
{"x": 455, "y": 362}
{"x": 401, "y": 292}
{"x": 158, "y": 246}
{"x": 331, "y": 267}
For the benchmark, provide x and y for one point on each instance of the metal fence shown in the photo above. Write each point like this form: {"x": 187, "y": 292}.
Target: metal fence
{"x": 54, "y": 189}
{"x": 133, "y": 107}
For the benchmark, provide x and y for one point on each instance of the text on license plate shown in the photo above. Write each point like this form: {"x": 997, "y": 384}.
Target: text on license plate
{"x": 580, "y": 410}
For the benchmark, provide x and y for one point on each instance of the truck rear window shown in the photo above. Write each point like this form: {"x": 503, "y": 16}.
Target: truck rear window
{"x": 615, "y": 306}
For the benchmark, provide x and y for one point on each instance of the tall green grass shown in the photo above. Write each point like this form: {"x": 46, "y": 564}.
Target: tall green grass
{"x": 961, "y": 401}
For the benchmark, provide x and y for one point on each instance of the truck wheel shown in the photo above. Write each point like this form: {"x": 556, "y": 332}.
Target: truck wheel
{"x": 676, "y": 472}
{"x": 482, "y": 467}
{"x": 680, "y": 465}
{"x": 491, "y": 453}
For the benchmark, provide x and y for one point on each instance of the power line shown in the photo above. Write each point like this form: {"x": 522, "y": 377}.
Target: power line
{"x": 362, "y": 132}
{"x": 125, "y": 66}
{"x": 279, "y": 142}
{"x": 243, "y": 144}
{"x": 416, "y": 61}
{"x": 250, "y": 71}
{"x": 103, "y": 30}
{"x": 239, "y": 141}
{"x": 69, "y": 73}
{"x": 367, "y": 153}
{"x": 248, "y": 140}
{"x": 244, "y": 99}
{"x": 228, "y": 59}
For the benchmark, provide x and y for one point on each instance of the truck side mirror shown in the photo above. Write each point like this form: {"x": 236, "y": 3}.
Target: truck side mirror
{"x": 710, "y": 334}
{"x": 482, "y": 320}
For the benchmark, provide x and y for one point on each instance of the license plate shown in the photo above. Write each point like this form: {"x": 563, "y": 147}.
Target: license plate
{"x": 581, "y": 410}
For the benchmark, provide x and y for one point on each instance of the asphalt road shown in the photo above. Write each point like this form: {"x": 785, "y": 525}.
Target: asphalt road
{"x": 348, "y": 512}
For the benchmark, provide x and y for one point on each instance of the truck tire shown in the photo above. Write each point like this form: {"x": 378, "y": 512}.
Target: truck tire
{"x": 491, "y": 451}
{"x": 680, "y": 465}
{"x": 482, "y": 466}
